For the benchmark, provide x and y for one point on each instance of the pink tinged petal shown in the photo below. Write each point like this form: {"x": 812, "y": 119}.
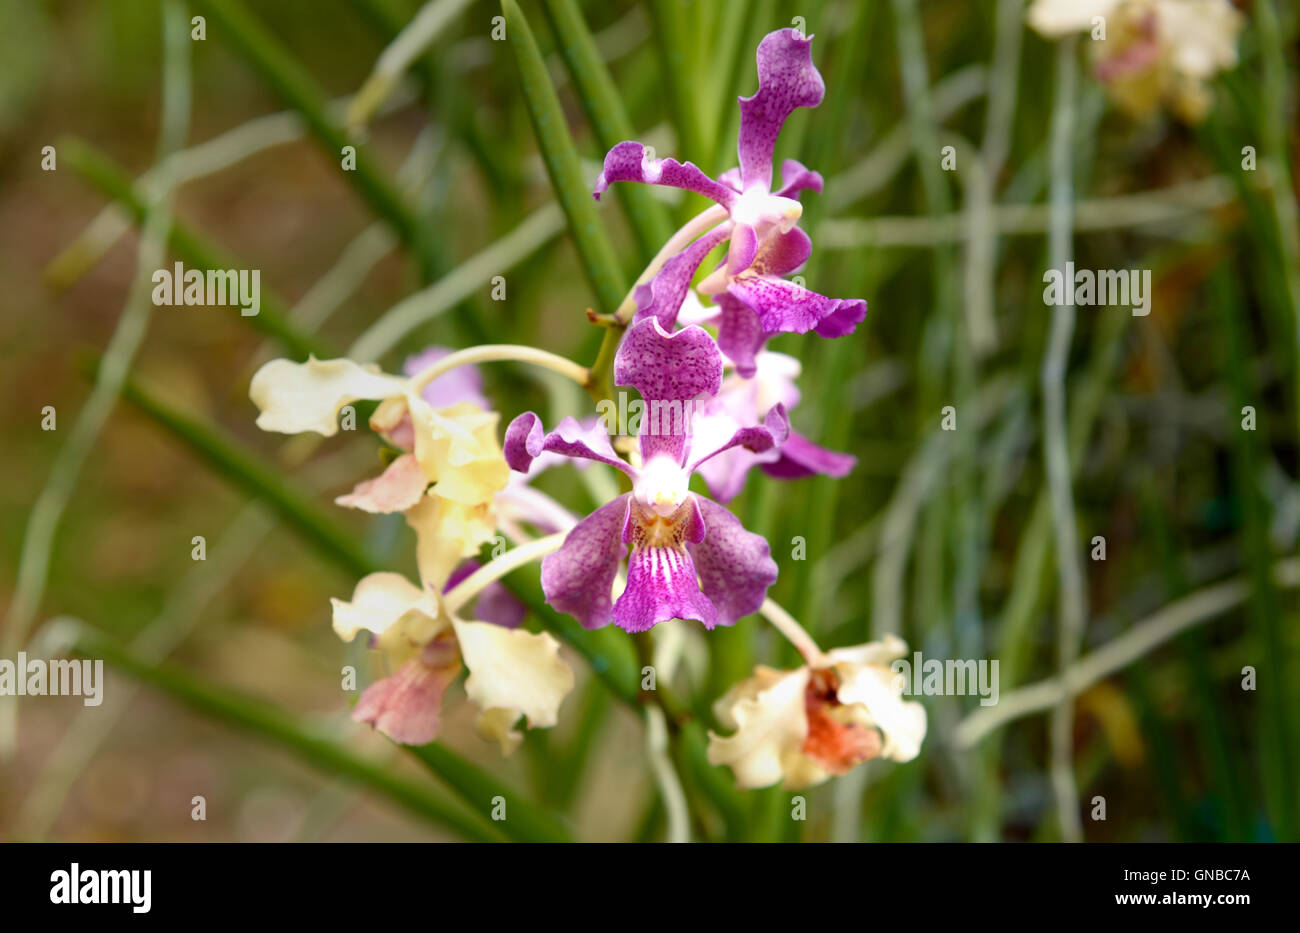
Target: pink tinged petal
{"x": 731, "y": 178}
{"x": 663, "y": 295}
{"x": 801, "y": 457}
{"x": 735, "y": 565}
{"x": 725, "y": 474}
{"x": 661, "y": 577}
{"x": 843, "y": 320}
{"x": 740, "y": 334}
{"x": 787, "y": 79}
{"x": 397, "y": 489}
{"x": 783, "y": 253}
{"x": 785, "y": 307}
{"x": 743, "y": 249}
{"x": 405, "y": 706}
{"x": 757, "y": 439}
{"x": 629, "y": 161}
{"x": 462, "y": 384}
{"x": 795, "y": 178}
{"x": 669, "y": 370}
{"x": 579, "y": 577}
{"x": 526, "y": 441}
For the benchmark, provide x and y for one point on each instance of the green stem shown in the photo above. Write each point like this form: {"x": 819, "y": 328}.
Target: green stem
{"x": 257, "y": 717}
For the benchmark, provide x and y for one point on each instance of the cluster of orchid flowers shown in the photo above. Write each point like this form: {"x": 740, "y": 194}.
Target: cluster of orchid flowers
{"x": 654, "y": 553}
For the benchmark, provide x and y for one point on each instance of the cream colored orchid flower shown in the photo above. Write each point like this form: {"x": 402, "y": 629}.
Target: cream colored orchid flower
{"x": 455, "y": 447}
{"x": 801, "y": 727}
{"x": 512, "y": 673}
{"x": 1154, "y": 51}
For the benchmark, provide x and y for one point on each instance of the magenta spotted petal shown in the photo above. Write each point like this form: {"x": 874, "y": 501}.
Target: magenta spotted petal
{"x": 630, "y": 161}
{"x": 670, "y": 371}
{"x": 663, "y": 295}
{"x": 526, "y": 440}
{"x": 800, "y": 457}
{"x": 579, "y": 577}
{"x": 735, "y": 566}
{"x": 787, "y": 79}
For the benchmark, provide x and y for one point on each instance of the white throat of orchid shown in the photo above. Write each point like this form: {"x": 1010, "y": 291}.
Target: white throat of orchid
{"x": 662, "y": 485}
{"x": 760, "y": 209}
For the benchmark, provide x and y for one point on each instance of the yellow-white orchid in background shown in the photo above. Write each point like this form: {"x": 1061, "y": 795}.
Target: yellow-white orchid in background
{"x": 512, "y": 673}
{"x": 801, "y": 727}
{"x": 1154, "y": 51}
{"x": 447, "y": 482}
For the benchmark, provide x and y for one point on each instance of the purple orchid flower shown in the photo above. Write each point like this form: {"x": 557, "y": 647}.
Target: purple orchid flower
{"x": 690, "y": 558}
{"x": 765, "y": 245}
{"x": 743, "y": 401}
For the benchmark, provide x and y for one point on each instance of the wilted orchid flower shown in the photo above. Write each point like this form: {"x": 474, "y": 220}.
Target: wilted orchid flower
{"x": 1153, "y": 50}
{"x": 690, "y": 558}
{"x": 765, "y": 245}
{"x": 804, "y": 726}
{"x": 512, "y": 673}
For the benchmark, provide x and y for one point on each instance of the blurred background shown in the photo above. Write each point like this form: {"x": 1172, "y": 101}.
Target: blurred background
{"x": 945, "y": 537}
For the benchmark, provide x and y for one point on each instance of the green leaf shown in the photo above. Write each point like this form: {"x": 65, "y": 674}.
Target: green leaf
{"x": 299, "y": 90}
{"x": 604, "y": 108}
{"x": 523, "y": 822}
{"x": 562, "y": 163}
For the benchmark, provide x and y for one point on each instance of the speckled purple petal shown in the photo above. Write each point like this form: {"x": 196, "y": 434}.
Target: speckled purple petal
{"x": 579, "y": 577}
{"x": 801, "y": 457}
{"x": 743, "y": 249}
{"x": 740, "y": 333}
{"x": 796, "y": 177}
{"x": 782, "y": 253}
{"x": 668, "y": 370}
{"x": 662, "y": 296}
{"x": 661, "y": 578}
{"x": 526, "y": 440}
{"x": 462, "y": 384}
{"x": 735, "y": 565}
{"x": 844, "y": 319}
{"x": 785, "y": 307}
{"x": 787, "y": 79}
{"x": 758, "y": 438}
{"x": 628, "y": 162}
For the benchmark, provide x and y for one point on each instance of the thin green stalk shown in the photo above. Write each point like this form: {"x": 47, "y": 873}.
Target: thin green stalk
{"x": 1073, "y": 606}
{"x": 109, "y": 178}
{"x": 299, "y": 89}
{"x": 257, "y": 717}
{"x": 604, "y": 108}
{"x": 563, "y": 166}
{"x": 47, "y": 512}
{"x": 333, "y": 539}
{"x": 523, "y": 821}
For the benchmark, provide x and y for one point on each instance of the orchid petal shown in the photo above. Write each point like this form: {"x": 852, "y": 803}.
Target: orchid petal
{"x": 297, "y": 397}
{"x": 668, "y": 370}
{"x": 735, "y": 566}
{"x": 526, "y": 440}
{"x": 512, "y": 673}
{"x": 397, "y": 489}
{"x": 787, "y": 79}
{"x": 800, "y": 457}
{"x": 630, "y": 161}
{"x": 663, "y": 295}
{"x": 579, "y": 577}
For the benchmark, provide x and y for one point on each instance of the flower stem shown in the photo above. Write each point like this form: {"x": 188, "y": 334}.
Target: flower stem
{"x": 471, "y": 586}
{"x": 493, "y": 352}
{"x": 792, "y": 630}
